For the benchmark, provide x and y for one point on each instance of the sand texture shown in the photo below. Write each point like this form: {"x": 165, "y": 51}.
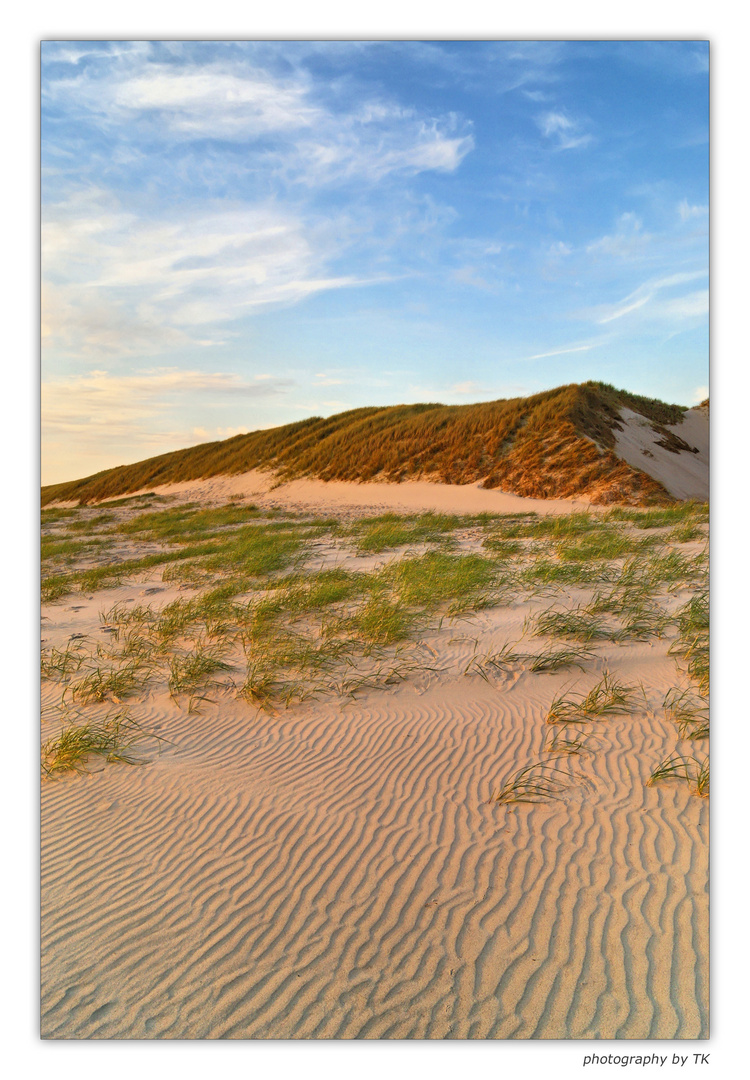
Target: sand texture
{"x": 684, "y": 473}
{"x": 347, "y": 498}
{"x": 337, "y": 869}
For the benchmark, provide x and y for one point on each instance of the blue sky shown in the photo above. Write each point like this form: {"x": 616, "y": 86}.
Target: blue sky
{"x": 238, "y": 235}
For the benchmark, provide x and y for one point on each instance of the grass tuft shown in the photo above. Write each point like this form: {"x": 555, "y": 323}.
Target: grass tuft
{"x": 533, "y": 783}
{"x": 677, "y": 767}
{"x": 607, "y": 698}
{"x": 111, "y": 738}
{"x": 689, "y": 712}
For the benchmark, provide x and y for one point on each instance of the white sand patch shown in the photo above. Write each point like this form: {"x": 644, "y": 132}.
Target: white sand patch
{"x": 684, "y": 474}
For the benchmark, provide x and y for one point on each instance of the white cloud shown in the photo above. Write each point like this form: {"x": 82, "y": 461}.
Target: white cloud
{"x": 560, "y": 250}
{"x": 98, "y": 420}
{"x": 567, "y": 133}
{"x": 691, "y": 306}
{"x": 124, "y": 286}
{"x": 686, "y": 211}
{"x": 626, "y": 242}
{"x": 560, "y": 352}
{"x": 676, "y": 308}
{"x": 305, "y": 141}
{"x": 217, "y": 103}
{"x": 102, "y": 405}
{"x": 469, "y": 275}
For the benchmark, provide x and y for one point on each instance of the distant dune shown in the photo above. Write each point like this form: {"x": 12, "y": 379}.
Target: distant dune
{"x": 589, "y": 442}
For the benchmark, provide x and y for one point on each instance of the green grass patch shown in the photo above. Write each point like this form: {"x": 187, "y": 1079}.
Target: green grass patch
{"x": 87, "y": 524}
{"x": 192, "y": 674}
{"x": 188, "y": 522}
{"x": 501, "y": 548}
{"x": 602, "y": 544}
{"x": 429, "y": 580}
{"x": 55, "y": 587}
{"x": 549, "y": 572}
{"x": 304, "y": 593}
{"x": 550, "y": 526}
{"x": 678, "y": 513}
{"x": 110, "y": 683}
{"x": 53, "y": 549}
{"x": 374, "y": 535}
{"x": 577, "y": 624}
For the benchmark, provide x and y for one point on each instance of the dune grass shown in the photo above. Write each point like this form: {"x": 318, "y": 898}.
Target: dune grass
{"x": 388, "y": 531}
{"x": 553, "y": 659}
{"x": 677, "y": 767}
{"x": 60, "y": 664}
{"x": 533, "y": 783}
{"x": 54, "y": 549}
{"x": 570, "y": 742}
{"x": 540, "y": 446}
{"x": 501, "y": 660}
{"x": 258, "y": 622}
{"x": 606, "y": 544}
{"x": 432, "y": 579}
{"x": 678, "y": 514}
{"x": 576, "y": 624}
{"x": 192, "y": 674}
{"x": 689, "y": 712}
{"x": 102, "y": 683}
{"x": 502, "y": 548}
{"x": 303, "y": 593}
{"x": 607, "y": 698}
{"x": 692, "y": 645}
{"x": 111, "y": 738}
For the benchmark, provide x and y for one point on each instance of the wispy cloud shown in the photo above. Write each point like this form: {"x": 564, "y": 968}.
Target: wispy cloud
{"x": 217, "y": 103}
{"x": 675, "y": 308}
{"x": 111, "y": 418}
{"x": 122, "y": 285}
{"x": 628, "y": 240}
{"x": 296, "y": 136}
{"x": 566, "y": 133}
{"x": 560, "y": 352}
{"x": 687, "y": 211}
{"x": 100, "y": 402}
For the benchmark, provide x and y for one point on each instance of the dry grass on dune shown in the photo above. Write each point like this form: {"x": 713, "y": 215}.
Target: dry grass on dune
{"x": 551, "y": 445}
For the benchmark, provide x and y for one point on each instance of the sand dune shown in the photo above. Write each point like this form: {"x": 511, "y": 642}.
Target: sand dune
{"x": 338, "y": 871}
{"x": 684, "y": 473}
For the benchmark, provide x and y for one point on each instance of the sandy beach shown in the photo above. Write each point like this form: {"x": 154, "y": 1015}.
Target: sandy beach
{"x": 337, "y": 868}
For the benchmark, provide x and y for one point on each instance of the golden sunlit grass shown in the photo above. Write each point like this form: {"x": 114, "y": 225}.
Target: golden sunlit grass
{"x": 111, "y": 739}
{"x": 677, "y": 767}
{"x": 609, "y": 697}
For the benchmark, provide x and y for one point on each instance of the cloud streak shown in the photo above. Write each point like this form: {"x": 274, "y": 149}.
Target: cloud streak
{"x": 122, "y": 285}
{"x": 674, "y": 308}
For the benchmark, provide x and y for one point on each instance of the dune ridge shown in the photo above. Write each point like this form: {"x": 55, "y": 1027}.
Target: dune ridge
{"x": 559, "y": 444}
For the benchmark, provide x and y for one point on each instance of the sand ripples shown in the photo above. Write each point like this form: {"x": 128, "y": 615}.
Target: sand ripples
{"x": 338, "y": 872}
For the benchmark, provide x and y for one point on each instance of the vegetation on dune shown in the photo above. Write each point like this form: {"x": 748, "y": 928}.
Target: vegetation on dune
{"x": 111, "y": 739}
{"x": 272, "y": 616}
{"x": 554, "y": 444}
